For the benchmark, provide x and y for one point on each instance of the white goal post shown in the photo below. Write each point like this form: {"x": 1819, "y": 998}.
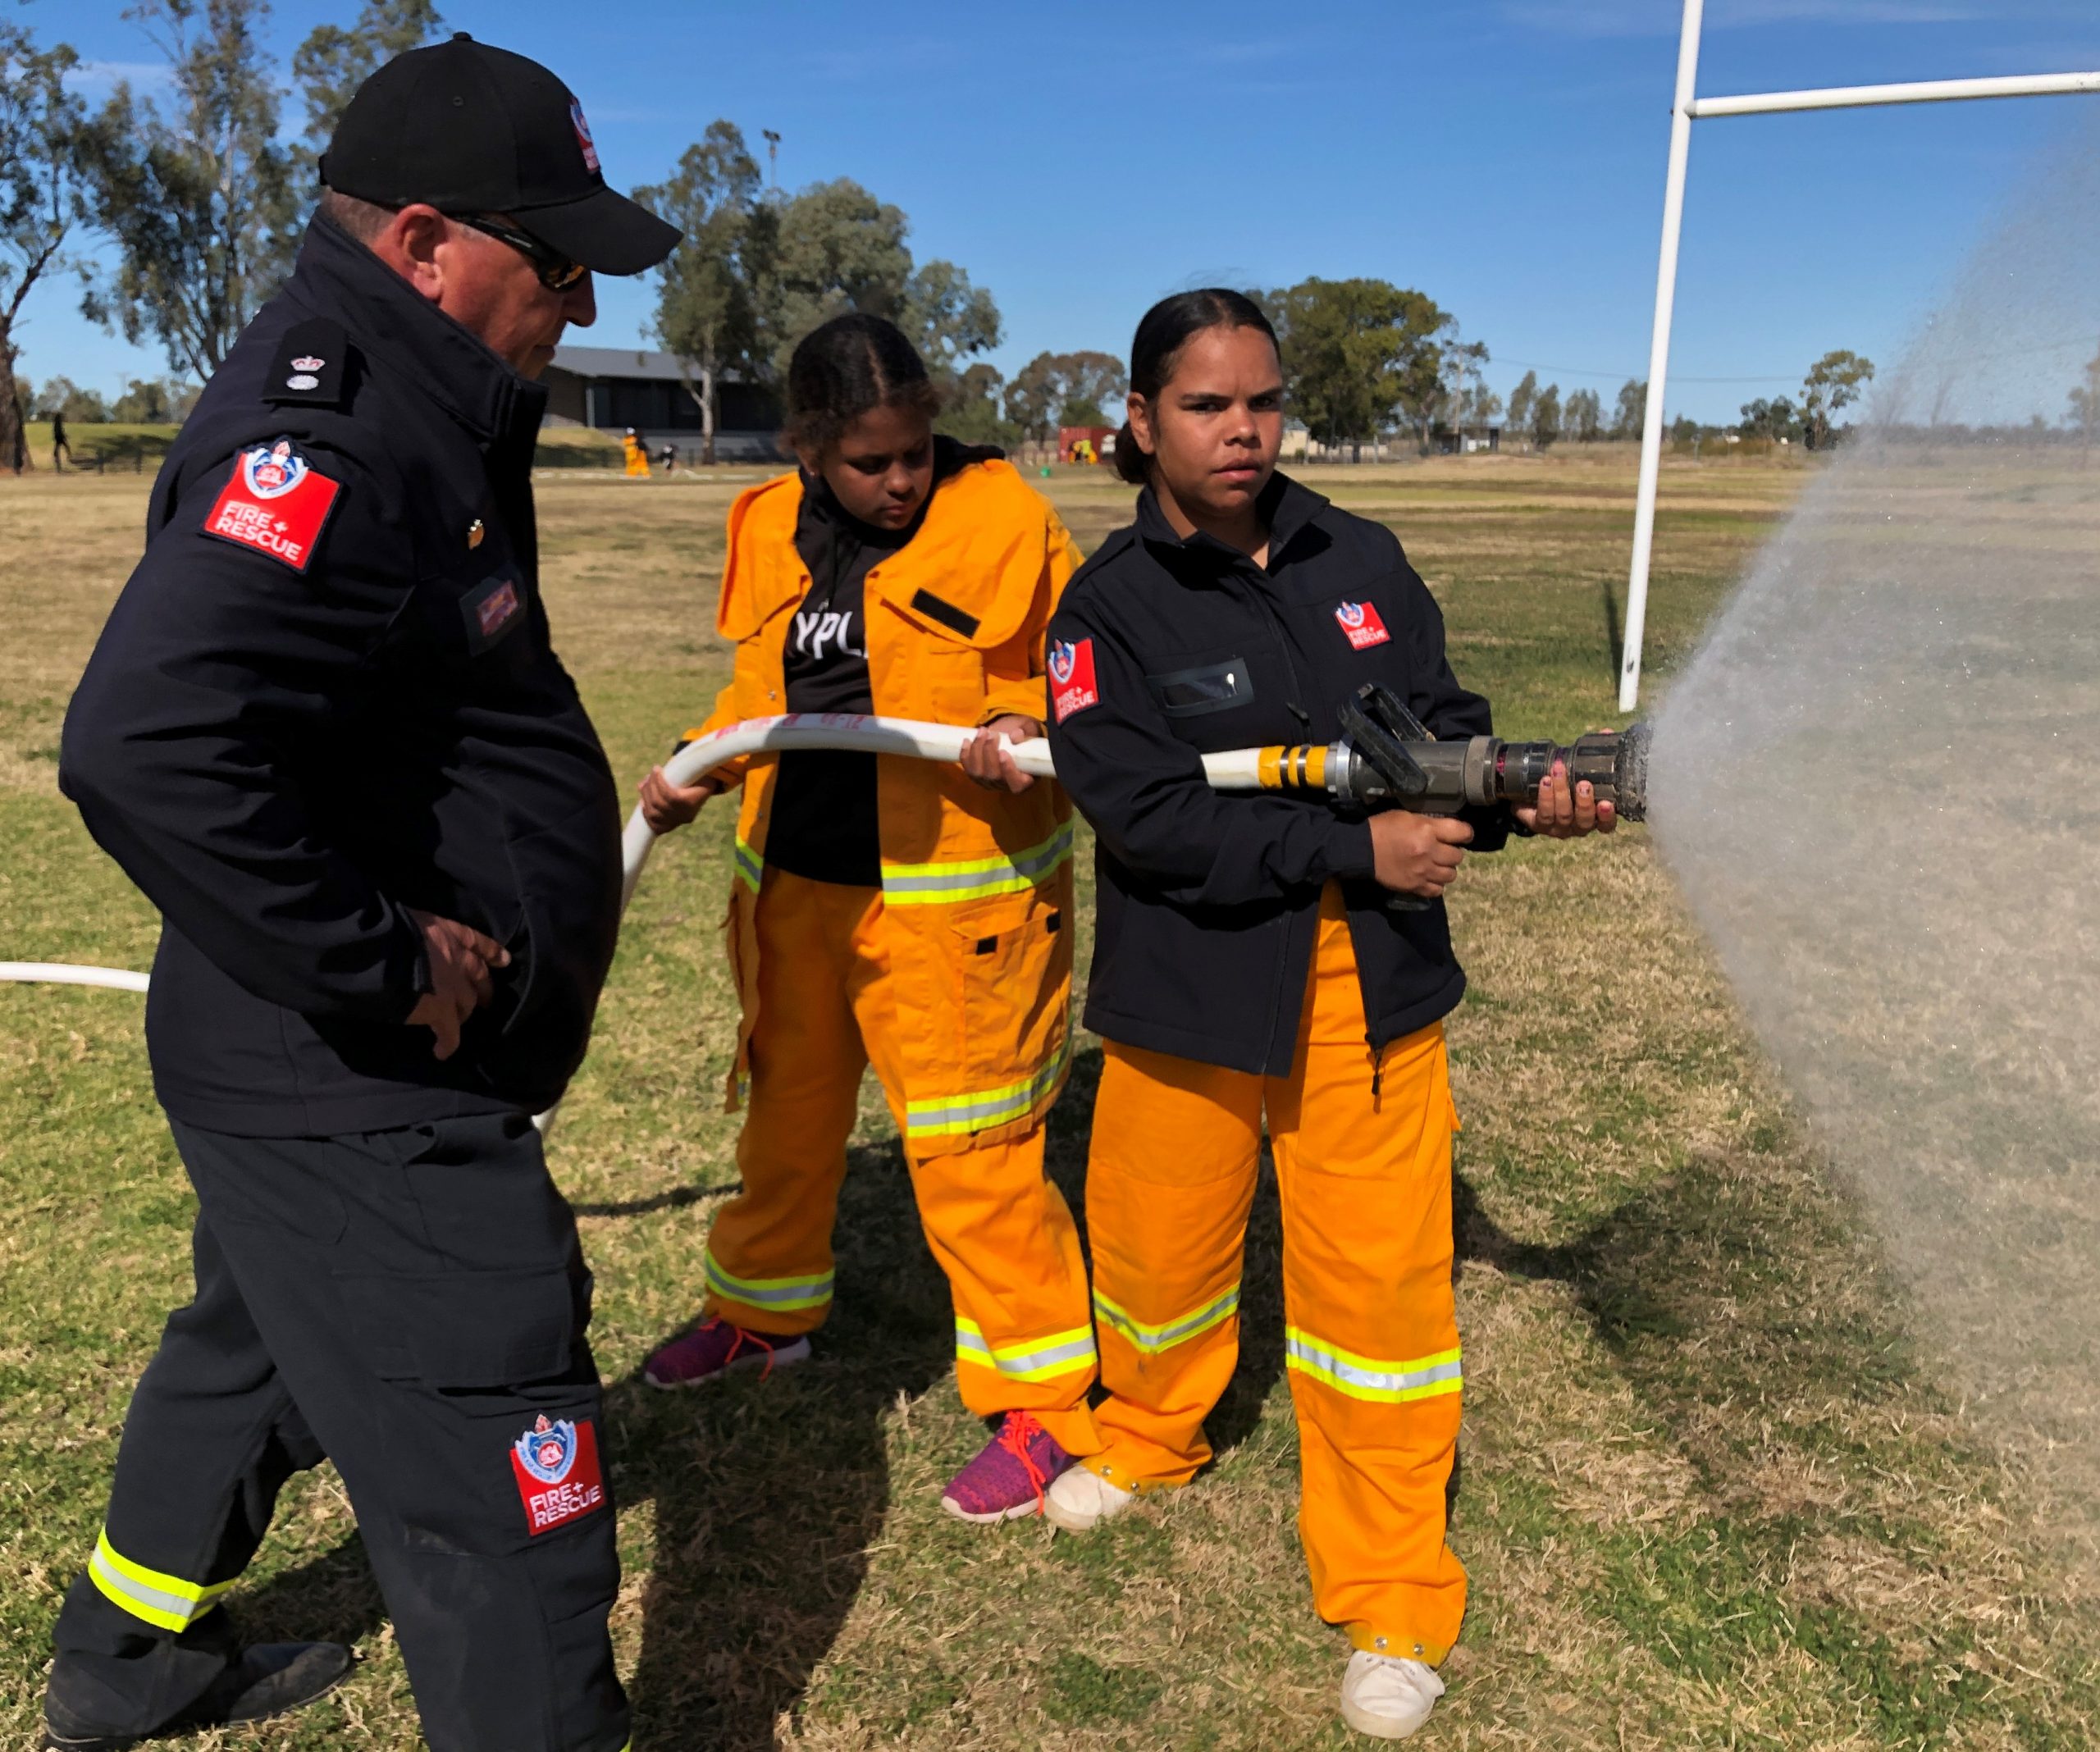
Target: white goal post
{"x": 1687, "y": 108}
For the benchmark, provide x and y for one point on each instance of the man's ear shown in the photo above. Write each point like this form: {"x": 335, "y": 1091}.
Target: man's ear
{"x": 409, "y": 243}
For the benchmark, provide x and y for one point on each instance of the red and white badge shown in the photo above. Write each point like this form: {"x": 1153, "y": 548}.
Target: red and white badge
{"x": 556, "y": 1466}
{"x": 582, "y": 135}
{"x": 275, "y": 502}
{"x": 1071, "y": 678}
{"x": 1360, "y": 623}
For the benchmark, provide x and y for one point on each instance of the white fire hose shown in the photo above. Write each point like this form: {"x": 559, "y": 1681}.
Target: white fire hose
{"x": 1240, "y": 769}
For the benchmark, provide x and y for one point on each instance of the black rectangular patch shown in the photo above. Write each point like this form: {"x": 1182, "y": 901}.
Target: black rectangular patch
{"x": 1213, "y": 687}
{"x": 926, "y": 603}
{"x": 310, "y": 365}
{"x": 986, "y": 945}
{"x": 1057, "y": 924}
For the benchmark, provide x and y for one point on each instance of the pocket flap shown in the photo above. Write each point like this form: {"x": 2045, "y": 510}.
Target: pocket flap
{"x": 471, "y": 1329}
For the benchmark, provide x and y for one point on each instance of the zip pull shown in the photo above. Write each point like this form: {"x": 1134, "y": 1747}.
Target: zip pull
{"x": 1304, "y": 717}
{"x": 1377, "y": 1069}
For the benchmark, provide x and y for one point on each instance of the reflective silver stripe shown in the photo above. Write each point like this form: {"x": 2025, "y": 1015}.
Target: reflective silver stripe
{"x": 1371, "y": 1377}
{"x": 940, "y": 1116}
{"x": 1157, "y": 1339}
{"x": 166, "y": 1602}
{"x": 750, "y": 866}
{"x": 905, "y": 884}
{"x": 1031, "y": 1359}
{"x": 806, "y": 1292}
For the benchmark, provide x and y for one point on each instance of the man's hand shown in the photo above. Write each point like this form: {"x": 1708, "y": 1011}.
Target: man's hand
{"x": 665, "y": 805}
{"x": 991, "y": 766}
{"x": 1418, "y": 854}
{"x": 1562, "y": 813}
{"x": 461, "y": 979}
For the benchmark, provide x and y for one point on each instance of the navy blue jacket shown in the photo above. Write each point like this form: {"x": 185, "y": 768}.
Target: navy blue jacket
{"x": 1206, "y": 903}
{"x": 327, "y": 695}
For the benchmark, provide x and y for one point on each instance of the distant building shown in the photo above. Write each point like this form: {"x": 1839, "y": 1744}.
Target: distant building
{"x": 613, "y": 388}
{"x": 1085, "y": 443}
{"x": 1466, "y": 441}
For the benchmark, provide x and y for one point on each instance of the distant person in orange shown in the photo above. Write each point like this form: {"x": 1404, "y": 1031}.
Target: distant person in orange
{"x": 58, "y": 443}
{"x": 636, "y": 458}
{"x": 892, "y": 910}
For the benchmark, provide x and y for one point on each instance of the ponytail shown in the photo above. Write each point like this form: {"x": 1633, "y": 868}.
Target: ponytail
{"x": 1166, "y": 329}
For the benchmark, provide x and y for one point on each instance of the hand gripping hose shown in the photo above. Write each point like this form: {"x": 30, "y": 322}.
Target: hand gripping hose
{"x": 1436, "y": 777}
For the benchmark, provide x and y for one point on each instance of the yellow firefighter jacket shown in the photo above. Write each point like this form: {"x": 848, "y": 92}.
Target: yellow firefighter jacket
{"x": 977, "y": 884}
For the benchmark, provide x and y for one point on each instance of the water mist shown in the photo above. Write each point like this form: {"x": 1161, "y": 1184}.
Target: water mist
{"x": 1878, "y": 785}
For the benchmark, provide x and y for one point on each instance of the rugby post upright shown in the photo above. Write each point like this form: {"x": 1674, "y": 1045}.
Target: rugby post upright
{"x": 1686, "y": 108}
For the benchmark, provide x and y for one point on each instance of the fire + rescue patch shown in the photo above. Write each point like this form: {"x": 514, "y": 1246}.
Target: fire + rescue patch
{"x": 275, "y": 502}
{"x": 1072, "y": 686}
{"x": 555, "y": 1463}
{"x": 582, "y": 135}
{"x": 1361, "y": 625}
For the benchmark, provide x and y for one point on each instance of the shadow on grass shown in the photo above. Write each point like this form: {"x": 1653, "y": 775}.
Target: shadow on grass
{"x": 769, "y": 1495}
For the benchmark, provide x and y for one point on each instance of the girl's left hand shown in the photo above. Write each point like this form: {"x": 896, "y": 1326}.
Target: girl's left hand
{"x": 990, "y": 764}
{"x": 1566, "y": 812}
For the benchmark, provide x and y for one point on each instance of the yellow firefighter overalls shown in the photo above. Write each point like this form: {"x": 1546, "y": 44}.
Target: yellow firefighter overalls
{"x": 953, "y": 978}
{"x": 1364, "y": 1170}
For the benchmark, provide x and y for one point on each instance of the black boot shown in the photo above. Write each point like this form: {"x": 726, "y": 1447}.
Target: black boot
{"x": 265, "y": 1681}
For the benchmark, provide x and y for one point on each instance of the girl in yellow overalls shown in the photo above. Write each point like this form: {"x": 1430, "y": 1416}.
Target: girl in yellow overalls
{"x": 892, "y": 911}
{"x": 1248, "y": 968}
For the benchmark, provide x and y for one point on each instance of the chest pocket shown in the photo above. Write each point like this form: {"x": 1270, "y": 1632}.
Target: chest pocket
{"x": 1207, "y": 687}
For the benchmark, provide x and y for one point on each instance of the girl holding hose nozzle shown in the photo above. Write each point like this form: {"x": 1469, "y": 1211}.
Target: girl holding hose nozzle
{"x": 1247, "y": 966}
{"x": 895, "y": 911}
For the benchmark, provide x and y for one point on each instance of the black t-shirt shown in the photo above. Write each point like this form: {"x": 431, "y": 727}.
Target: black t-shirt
{"x": 824, "y": 825}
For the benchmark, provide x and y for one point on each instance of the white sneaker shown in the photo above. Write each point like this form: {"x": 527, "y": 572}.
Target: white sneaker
{"x": 1078, "y": 1499}
{"x": 1386, "y": 1697}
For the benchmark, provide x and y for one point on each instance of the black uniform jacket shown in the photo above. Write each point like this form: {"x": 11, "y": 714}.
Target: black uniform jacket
{"x": 1208, "y": 902}
{"x": 327, "y": 695}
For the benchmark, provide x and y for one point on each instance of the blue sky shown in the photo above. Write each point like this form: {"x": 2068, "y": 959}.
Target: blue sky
{"x": 1505, "y": 155}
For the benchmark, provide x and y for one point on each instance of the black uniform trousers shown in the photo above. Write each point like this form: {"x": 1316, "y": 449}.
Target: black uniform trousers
{"x": 411, "y": 1304}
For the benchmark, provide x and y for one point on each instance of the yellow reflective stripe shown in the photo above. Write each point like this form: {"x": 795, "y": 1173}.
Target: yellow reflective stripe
{"x": 750, "y": 866}
{"x": 1031, "y": 1359}
{"x": 809, "y": 1291}
{"x": 1371, "y": 1377}
{"x": 942, "y": 1116}
{"x": 973, "y": 879}
{"x": 166, "y": 1602}
{"x": 1175, "y": 1331}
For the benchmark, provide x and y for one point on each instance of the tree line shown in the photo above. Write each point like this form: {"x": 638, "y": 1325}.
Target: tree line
{"x": 196, "y": 190}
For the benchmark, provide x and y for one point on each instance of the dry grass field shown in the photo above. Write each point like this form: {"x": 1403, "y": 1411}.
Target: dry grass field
{"x": 1714, "y": 1492}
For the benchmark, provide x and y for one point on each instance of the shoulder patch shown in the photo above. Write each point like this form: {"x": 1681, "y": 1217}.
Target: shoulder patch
{"x": 309, "y": 367}
{"x": 276, "y": 502}
{"x": 1072, "y": 688}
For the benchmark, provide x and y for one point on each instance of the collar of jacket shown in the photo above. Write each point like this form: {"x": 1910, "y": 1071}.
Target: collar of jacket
{"x": 338, "y": 278}
{"x": 1284, "y": 506}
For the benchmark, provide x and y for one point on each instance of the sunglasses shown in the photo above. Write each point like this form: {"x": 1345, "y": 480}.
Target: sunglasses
{"x": 557, "y": 272}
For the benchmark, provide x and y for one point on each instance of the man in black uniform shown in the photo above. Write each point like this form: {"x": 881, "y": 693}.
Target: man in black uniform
{"x": 326, "y": 733}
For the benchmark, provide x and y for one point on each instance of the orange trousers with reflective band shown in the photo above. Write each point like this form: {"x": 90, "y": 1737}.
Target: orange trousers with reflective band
{"x": 1371, "y": 1337}
{"x": 1000, "y": 1229}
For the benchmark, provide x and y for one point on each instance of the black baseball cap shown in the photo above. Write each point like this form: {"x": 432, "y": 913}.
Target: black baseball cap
{"x": 469, "y": 129}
